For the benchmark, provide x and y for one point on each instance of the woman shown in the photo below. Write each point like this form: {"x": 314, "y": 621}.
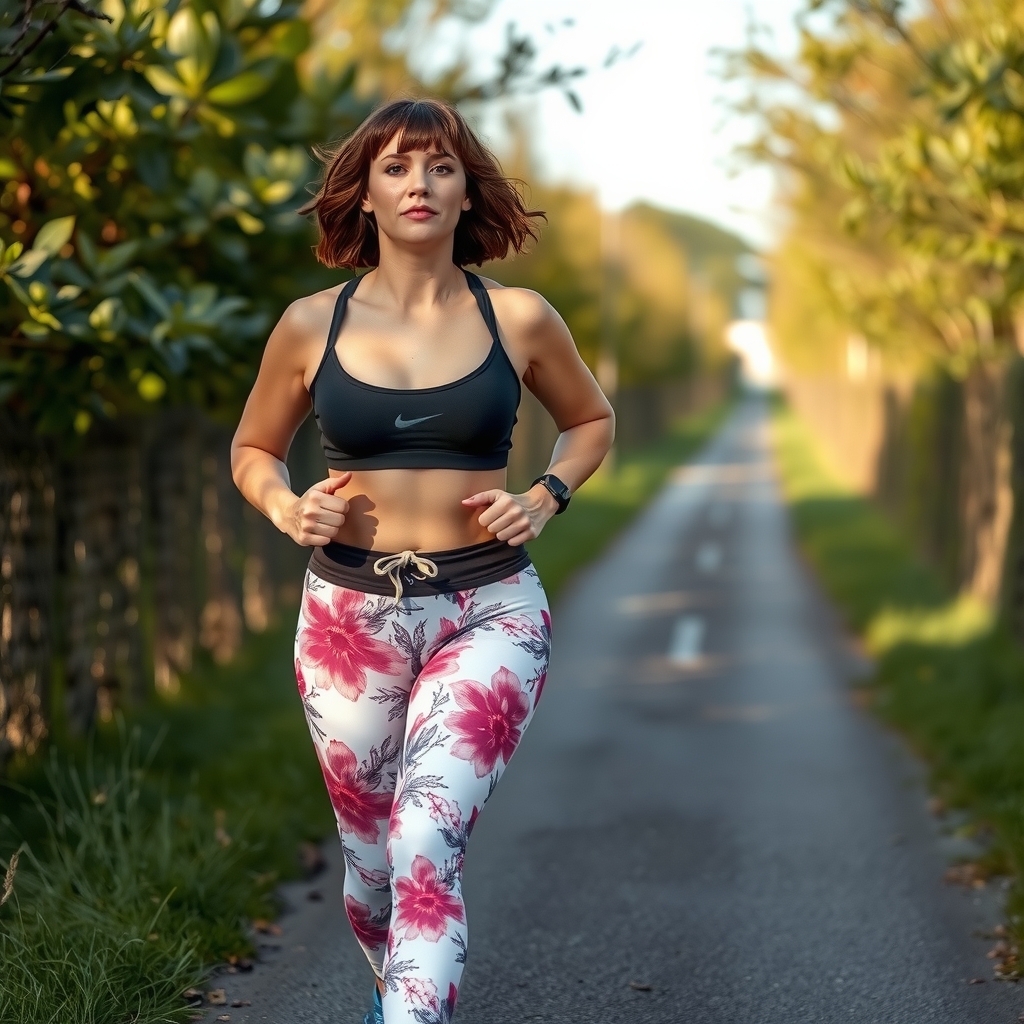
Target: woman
{"x": 423, "y": 635}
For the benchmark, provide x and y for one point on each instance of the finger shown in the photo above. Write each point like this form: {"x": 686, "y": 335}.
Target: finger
{"x": 325, "y": 517}
{"x": 483, "y": 498}
{"x": 520, "y": 538}
{"x": 513, "y": 518}
{"x": 332, "y": 483}
{"x": 494, "y": 512}
{"x": 334, "y": 503}
{"x": 512, "y": 530}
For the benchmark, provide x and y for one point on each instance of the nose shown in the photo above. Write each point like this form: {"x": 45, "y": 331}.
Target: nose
{"x": 419, "y": 185}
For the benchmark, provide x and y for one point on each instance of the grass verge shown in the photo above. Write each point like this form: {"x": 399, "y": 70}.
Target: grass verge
{"x": 147, "y": 856}
{"x": 946, "y": 675}
{"x": 609, "y": 500}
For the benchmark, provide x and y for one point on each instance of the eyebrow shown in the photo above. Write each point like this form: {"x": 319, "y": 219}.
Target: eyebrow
{"x": 398, "y": 156}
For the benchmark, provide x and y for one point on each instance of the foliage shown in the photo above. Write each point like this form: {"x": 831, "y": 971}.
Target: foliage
{"x": 117, "y": 902}
{"x": 147, "y": 215}
{"x": 899, "y": 141}
{"x": 663, "y": 289}
{"x": 951, "y": 683}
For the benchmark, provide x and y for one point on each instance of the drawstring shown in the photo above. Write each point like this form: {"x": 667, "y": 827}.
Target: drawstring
{"x": 392, "y": 565}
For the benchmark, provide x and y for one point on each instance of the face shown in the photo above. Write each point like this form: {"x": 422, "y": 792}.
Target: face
{"x": 416, "y": 196}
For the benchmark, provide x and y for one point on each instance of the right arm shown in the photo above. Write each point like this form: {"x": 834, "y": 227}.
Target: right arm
{"x": 277, "y": 405}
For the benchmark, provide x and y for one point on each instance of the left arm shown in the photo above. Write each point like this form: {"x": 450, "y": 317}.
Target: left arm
{"x": 557, "y": 375}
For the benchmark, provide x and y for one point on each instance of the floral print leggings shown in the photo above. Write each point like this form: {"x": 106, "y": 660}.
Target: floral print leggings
{"x": 415, "y": 707}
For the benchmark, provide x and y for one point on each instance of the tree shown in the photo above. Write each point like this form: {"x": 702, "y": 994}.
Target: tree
{"x": 148, "y": 208}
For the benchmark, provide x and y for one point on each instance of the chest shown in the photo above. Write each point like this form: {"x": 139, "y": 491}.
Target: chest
{"x": 411, "y": 352}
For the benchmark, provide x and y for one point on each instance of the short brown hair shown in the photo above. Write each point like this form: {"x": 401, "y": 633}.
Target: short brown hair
{"x": 497, "y": 220}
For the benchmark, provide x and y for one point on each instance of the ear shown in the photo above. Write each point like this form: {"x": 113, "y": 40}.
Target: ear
{"x": 467, "y": 204}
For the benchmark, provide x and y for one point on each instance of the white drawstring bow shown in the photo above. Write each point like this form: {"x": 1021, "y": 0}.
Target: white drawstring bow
{"x": 392, "y": 566}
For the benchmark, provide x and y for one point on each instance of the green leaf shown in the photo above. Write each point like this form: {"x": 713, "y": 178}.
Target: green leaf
{"x": 54, "y": 235}
{"x": 29, "y": 263}
{"x": 240, "y": 89}
{"x": 164, "y": 82}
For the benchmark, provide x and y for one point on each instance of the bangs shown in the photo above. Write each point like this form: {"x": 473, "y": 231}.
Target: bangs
{"x": 418, "y": 126}
{"x": 496, "y": 221}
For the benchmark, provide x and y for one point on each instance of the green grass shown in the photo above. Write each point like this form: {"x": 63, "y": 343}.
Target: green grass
{"x": 947, "y": 675}
{"x": 148, "y": 854}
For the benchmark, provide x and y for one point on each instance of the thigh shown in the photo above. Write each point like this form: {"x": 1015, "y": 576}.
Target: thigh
{"x": 354, "y": 680}
{"x": 472, "y": 701}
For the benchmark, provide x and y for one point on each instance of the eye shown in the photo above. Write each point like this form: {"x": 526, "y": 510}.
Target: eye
{"x": 393, "y": 167}
{"x": 444, "y": 168}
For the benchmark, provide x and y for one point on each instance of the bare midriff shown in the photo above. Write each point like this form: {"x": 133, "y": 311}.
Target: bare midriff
{"x": 416, "y": 509}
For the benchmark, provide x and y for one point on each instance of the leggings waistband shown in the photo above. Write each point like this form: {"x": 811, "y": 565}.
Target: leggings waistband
{"x": 401, "y": 574}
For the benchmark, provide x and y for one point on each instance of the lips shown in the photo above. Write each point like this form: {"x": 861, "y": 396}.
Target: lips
{"x": 419, "y": 213}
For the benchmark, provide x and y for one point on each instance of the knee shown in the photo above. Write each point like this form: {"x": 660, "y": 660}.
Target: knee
{"x": 436, "y": 831}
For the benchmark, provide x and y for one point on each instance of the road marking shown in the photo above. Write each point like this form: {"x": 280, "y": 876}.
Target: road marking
{"x": 709, "y": 557}
{"x": 686, "y": 638}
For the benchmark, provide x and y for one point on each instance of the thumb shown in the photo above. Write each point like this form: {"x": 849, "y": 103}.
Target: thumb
{"x": 332, "y": 483}
{"x": 481, "y": 498}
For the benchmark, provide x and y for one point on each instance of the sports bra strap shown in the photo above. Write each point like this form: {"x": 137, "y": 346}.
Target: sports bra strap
{"x": 332, "y": 335}
{"x": 339, "y": 311}
{"x": 483, "y": 300}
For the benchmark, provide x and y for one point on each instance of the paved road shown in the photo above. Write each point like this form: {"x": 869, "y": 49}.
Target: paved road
{"x": 698, "y": 807}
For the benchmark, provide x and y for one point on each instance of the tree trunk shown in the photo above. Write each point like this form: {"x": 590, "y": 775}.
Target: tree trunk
{"x": 986, "y": 483}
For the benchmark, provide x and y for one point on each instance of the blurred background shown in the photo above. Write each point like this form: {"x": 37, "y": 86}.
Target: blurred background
{"x": 822, "y": 198}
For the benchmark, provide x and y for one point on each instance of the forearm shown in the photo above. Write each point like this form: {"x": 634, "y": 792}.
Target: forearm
{"x": 581, "y": 449}
{"x": 264, "y": 482}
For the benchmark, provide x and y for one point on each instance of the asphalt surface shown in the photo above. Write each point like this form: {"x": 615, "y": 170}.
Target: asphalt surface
{"x": 700, "y": 825}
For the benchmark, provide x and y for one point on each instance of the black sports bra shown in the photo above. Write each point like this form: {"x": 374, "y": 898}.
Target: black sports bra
{"x": 466, "y": 424}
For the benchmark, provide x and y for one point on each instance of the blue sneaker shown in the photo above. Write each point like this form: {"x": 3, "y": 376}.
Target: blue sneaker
{"x": 375, "y": 1015}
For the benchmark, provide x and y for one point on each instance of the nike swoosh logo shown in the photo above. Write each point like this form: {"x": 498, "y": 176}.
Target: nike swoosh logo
{"x": 402, "y": 424}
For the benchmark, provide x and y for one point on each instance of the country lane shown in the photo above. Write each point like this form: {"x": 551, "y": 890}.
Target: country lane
{"x": 700, "y": 826}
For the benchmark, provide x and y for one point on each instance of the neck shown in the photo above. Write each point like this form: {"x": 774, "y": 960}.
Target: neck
{"x": 415, "y": 277}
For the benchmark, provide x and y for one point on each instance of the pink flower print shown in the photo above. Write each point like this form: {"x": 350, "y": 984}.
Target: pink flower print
{"x": 443, "y": 653}
{"x": 370, "y": 930}
{"x": 337, "y": 641}
{"x": 490, "y": 719}
{"x": 301, "y": 680}
{"x": 421, "y": 991}
{"x": 394, "y": 826}
{"x": 511, "y": 579}
{"x": 358, "y": 808}
{"x": 444, "y": 810}
{"x": 547, "y": 621}
{"x": 539, "y": 689}
{"x": 425, "y": 903}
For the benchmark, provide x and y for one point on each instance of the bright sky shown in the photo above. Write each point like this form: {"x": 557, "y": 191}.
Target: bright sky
{"x": 650, "y": 128}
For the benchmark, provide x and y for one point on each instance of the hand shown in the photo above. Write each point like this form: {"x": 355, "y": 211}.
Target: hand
{"x": 315, "y": 518}
{"x": 515, "y": 518}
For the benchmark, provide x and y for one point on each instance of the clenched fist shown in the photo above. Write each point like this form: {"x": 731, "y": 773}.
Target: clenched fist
{"x": 515, "y": 518}
{"x": 316, "y": 517}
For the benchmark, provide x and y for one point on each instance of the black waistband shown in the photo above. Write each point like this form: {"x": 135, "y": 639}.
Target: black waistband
{"x": 457, "y": 568}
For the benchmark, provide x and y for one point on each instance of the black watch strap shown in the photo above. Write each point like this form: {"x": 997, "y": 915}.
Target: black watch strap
{"x": 556, "y": 488}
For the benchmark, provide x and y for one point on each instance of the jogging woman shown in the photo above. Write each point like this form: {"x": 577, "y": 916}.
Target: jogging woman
{"x": 423, "y": 635}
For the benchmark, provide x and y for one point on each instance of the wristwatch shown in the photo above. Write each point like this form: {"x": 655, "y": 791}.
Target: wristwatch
{"x": 558, "y": 490}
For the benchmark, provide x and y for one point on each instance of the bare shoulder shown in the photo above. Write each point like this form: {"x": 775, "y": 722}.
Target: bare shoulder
{"x": 522, "y": 312}
{"x": 301, "y": 333}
